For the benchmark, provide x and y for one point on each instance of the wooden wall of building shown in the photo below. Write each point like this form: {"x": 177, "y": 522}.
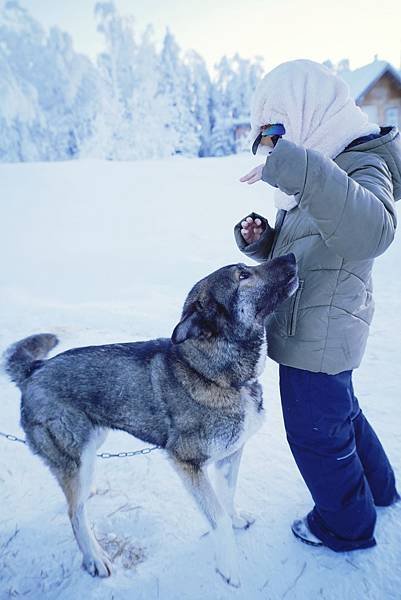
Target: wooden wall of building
{"x": 383, "y": 102}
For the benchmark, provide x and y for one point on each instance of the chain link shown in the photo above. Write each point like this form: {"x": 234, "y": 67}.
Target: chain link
{"x": 14, "y": 438}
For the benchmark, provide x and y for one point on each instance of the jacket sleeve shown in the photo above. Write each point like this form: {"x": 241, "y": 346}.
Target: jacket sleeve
{"x": 354, "y": 213}
{"x": 260, "y": 249}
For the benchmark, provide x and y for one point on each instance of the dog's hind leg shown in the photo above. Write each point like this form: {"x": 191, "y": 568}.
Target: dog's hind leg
{"x": 226, "y": 482}
{"x": 197, "y": 482}
{"x": 76, "y": 487}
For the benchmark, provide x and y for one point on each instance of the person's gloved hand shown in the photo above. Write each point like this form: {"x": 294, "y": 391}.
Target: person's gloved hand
{"x": 252, "y": 229}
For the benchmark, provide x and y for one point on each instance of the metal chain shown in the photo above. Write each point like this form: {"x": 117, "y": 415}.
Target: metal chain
{"x": 14, "y": 438}
{"x": 127, "y": 454}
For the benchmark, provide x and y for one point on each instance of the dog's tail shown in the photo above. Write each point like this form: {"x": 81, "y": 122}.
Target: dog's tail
{"x": 24, "y": 357}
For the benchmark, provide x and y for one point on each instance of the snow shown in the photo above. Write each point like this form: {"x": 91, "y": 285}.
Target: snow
{"x": 99, "y": 252}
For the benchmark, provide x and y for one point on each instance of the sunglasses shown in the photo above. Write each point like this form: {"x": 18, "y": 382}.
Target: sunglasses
{"x": 274, "y": 131}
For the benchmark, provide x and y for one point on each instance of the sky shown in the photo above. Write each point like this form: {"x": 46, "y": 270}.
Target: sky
{"x": 277, "y": 30}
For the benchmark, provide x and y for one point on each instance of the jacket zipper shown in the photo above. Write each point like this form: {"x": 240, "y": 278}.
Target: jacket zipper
{"x": 294, "y": 308}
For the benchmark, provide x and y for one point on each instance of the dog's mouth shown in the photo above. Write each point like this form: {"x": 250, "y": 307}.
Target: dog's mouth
{"x": 293, "y": 284}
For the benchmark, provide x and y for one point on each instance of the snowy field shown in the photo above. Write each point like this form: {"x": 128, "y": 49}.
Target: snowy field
{"x": 100, "y": 252}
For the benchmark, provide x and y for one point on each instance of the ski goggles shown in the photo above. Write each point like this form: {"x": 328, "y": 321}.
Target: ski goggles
{"x": 277, "y": 129}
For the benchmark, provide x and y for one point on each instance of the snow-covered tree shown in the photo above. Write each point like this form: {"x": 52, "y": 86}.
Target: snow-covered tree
{"x": 133, "y": 118}
{"x": 175, "y": 88}
{"x": 200, "y": 90}
{"x": 341, "y": 66}
{"x": 231, "y": 99}
{"x": 57, "y": 83}
{"x": 19, "y": 110}
{"x": 154, "y": 136}
{"x": 18, "y": 115}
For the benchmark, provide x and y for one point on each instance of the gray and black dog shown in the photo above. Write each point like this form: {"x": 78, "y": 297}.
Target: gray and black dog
{"x": 196, "y": 395}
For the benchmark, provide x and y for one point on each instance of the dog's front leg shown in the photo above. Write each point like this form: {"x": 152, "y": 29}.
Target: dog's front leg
{"x": 197, "y": 483}
{"x": 226, "y": 482}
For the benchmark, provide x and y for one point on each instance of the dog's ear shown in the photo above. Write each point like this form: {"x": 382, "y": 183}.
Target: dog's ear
{"x": 189, "y": 326}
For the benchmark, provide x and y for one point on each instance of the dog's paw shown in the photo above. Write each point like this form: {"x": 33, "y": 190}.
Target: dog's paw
{"x": 97, "y": 565}
{"x": 243, "y": 520}
{"x": 229, "y": 577}
{"x": 228, "y": 568}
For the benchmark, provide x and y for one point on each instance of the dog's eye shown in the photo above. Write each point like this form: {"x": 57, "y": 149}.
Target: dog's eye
{"x": 244, "y": 275}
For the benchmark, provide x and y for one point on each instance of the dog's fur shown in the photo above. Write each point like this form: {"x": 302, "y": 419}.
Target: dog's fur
{"x": 196, "y": 395}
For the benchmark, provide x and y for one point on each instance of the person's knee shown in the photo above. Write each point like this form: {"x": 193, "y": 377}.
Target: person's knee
{"x": 332, "y": 440}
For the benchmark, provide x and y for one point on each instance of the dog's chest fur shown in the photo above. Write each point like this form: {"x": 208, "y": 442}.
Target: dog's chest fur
{"x": 250, "y": 419}
{"x": 252, "y": 395}
{"x": 232, "y": 437}
{"x": 260, "y": 365}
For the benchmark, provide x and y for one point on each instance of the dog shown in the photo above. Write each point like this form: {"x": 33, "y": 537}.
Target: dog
{"x": 195, "y": 395}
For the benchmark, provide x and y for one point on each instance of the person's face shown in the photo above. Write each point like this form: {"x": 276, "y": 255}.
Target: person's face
{"x": 266, "y": 140}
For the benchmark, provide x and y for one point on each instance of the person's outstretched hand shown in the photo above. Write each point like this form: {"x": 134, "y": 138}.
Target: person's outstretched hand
{"x": 252, "y": 229}
{"x": 254, "y": 175}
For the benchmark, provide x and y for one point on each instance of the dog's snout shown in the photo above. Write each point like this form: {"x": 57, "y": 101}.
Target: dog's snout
{"x": 290, "y": 258}
{"x": 282, "y": 267}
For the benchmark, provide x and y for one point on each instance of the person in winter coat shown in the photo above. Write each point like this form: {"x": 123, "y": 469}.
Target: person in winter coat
{"x": 337, "y": 177}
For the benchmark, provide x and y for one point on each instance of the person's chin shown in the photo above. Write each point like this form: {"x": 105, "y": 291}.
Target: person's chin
{"x": 264, "y": 150}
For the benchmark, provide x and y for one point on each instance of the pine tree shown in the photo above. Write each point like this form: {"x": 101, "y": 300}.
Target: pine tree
{"x": 200, "y": 98}
{"x": 236, "y": 81}
{"x": 134, "y": 118}
{"x": 50, "y": 76}
{"x": 175, "y": 87}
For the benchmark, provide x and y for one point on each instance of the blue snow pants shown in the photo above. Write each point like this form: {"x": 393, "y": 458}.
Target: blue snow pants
{"x": 339, "y": 456}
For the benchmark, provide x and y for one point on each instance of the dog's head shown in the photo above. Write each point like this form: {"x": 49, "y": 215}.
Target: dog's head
{"x": 234, "y": 300}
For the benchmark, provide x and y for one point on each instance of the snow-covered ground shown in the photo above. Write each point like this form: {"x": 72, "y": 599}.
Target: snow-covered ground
{"x": 100, "y": 252}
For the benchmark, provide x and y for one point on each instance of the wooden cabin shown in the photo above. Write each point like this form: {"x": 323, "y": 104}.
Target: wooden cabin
{"x": 376, "y": 88}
